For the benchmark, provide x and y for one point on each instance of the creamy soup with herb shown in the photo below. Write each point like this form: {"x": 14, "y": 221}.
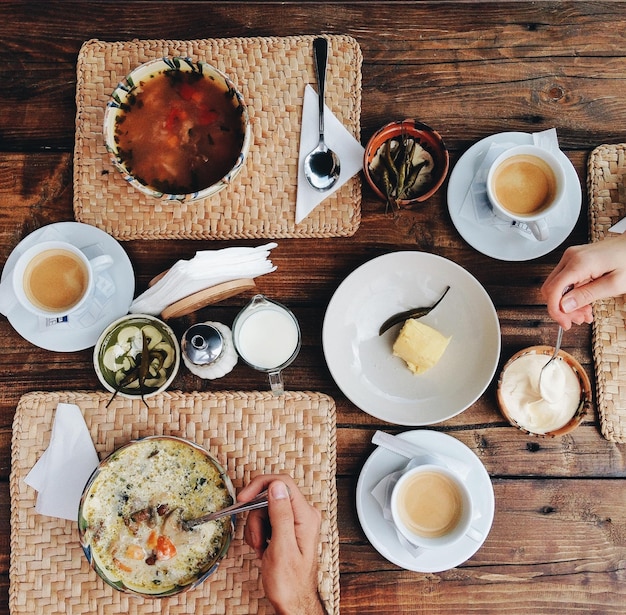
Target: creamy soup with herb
{"x": 132, "y": 515}
{"x": 180, "y": 131}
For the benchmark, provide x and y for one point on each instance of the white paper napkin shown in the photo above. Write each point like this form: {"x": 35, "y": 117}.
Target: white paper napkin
{"x": 337, "y": 137}
{"x": 619, "y": 227}
{"x": 60, "y": 474}
{"x": 205, "y": 269}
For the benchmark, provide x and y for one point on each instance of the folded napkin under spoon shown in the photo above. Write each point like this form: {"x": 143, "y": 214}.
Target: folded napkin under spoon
{"x": 321, "y": 166}
{"x": 260, "y": 501}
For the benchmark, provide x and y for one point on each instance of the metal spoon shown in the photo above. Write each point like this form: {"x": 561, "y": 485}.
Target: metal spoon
{"x": 321, "y": 166}
{"x": 260, "y": 501}
{"x": 545, "y": 394}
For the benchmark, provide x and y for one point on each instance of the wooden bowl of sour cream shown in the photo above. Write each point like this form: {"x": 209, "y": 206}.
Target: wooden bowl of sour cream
{"x": 523, "y": 406}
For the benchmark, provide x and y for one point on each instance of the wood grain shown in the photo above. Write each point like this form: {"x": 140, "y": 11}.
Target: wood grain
{"x": 469, "y": 69}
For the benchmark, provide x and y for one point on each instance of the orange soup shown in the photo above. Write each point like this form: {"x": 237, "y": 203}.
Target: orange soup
{"x": 180, "y": 132}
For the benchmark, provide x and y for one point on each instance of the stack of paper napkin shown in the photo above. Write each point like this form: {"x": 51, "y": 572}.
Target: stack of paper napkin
{"x": 205, "y": 269}
{"x": 61, "y": 473}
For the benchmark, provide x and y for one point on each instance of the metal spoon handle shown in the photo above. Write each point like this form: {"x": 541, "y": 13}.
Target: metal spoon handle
{"x": 320, "y": 51}
{"x": 559, "y": 339}
{"x": 260, "y": 501}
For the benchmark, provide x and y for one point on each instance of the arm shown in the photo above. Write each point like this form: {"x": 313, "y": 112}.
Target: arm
{"x": 596, "y": 271}
{"x": 289, "y": 561}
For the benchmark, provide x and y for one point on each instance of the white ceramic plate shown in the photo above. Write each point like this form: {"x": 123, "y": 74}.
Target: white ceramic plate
{"x": 491, "y": 241}
{"x": 362, "y": 363}
{"x": 383, "y": 535}
{"x": 61, "y": 339}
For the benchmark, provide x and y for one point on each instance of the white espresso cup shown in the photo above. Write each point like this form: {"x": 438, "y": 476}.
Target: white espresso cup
{"x": 53, "y": 279}
{"x": 526, "y": 183}
{"x": 432, "y": 507}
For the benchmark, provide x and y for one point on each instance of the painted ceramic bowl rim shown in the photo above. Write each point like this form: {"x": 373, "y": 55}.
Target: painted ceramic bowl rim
{"x": 127, "y": 85}
{"x": 415, "y": 128}
{"x": 203, "y": 574}
{"x": 148, "y": 319}
{"x": 585, "y": 391}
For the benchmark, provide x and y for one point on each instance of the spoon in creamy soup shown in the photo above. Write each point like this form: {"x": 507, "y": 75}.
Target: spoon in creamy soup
{"x": 260, "y": 501}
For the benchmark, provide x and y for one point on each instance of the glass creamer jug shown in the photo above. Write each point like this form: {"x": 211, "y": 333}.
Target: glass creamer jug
{"x": 266, "y": 335}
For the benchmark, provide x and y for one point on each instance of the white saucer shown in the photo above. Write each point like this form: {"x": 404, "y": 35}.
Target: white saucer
{"x": 362, "y": 362}
{"x": 383, "y": 535}
{"x": 69, "y": 340}
{"x": 487, "y": 239}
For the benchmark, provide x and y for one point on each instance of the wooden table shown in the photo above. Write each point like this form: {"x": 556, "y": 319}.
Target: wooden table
{"x": 558, "y": 541}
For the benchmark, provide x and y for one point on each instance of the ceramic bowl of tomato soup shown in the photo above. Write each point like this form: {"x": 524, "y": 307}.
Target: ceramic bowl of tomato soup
{"x": 131, "y": 512}
{"x": 177, "y": 129}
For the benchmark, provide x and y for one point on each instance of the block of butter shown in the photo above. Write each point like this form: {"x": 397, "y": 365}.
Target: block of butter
{"x": 419, "y": 345}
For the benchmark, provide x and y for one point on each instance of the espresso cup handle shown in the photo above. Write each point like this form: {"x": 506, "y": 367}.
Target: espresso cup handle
{"x": 539, "y": 229}
{"x": 100, "y": 263}
{"x": 276, "y": 383}
{"x": 475, "y": 534}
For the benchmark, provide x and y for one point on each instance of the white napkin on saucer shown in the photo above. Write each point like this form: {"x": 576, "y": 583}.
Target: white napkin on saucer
{"x": 205, "y": 269}
{"x": 476, "y": 206}
{"x": 337, "y": 137}
{"x": 382, "y": 494}
{"x": 60, "y": 474}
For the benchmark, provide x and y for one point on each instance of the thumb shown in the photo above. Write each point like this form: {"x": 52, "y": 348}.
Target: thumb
{"x": 281, "y": 515}
{"x": 580, "y": 296}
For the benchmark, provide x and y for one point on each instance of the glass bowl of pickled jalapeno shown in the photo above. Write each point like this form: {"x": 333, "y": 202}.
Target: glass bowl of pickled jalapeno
{"x": 405, "y": 163}
{"x": 137, "y": 356}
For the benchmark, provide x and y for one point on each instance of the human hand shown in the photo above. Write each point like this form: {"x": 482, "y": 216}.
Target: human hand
{"x": 285, "y": 537}
{"x": 596, "y": 271}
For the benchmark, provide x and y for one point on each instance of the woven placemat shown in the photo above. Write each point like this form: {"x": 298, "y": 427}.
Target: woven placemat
{"x": 606, "y": 182}
{"x": 248, "y": 432}
{"x": 271, "y": 73}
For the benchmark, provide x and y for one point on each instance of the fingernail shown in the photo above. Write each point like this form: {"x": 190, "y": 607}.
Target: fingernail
{"x": 569, "y": 304}
{"x": 279, "y": 490}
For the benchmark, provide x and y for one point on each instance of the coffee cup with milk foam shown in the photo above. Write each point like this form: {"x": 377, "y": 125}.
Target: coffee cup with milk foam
{"x": 526, "y": 183}
{"x": 432, "y": 507}
{"x": 52, "y": 279}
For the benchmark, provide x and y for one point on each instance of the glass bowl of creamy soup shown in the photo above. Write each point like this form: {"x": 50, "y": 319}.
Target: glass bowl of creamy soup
{"x": 177, "y": 129}
{"x": 565, "y": 397}
{"x": 131, "y": 512}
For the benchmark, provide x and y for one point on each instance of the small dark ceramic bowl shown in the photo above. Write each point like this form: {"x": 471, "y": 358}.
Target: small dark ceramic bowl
{"x": 583, "y": 379}
{"x": 429, "y": 139}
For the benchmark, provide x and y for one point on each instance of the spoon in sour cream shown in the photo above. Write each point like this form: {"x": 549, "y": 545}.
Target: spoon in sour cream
{"x": 551, "y": 380}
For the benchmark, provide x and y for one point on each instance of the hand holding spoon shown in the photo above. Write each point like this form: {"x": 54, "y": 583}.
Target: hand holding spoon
{"x": 321, "y": 166}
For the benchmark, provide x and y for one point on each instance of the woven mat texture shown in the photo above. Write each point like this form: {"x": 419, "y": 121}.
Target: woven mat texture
{"x": 271, "y": 73}
{"x": 248, "y": 432}
{"x": 606, "y": 181}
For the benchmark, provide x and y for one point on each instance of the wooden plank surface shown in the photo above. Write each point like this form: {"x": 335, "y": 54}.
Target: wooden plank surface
{"x": 558, "y": 543}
